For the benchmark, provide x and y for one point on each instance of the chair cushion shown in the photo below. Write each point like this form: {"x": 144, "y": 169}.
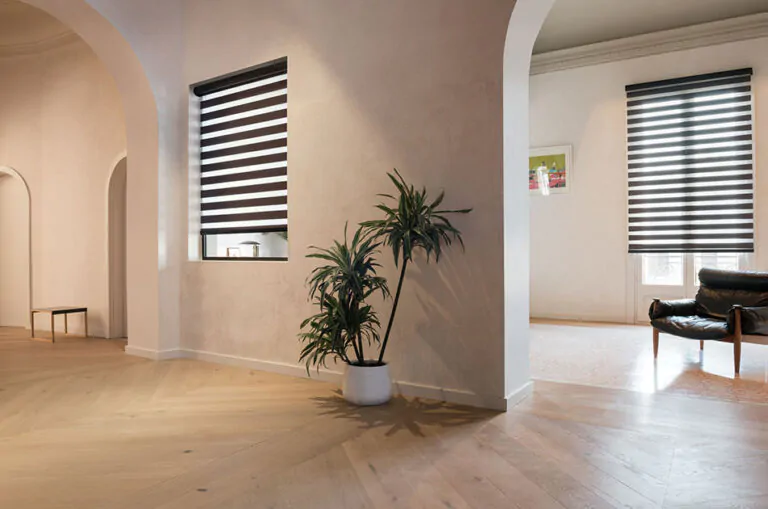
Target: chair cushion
{"x": 718, "y": 301}
{"x": 720, "y": 290}
{"x": 735, "y": 280}
{"x": 692, "y": 327}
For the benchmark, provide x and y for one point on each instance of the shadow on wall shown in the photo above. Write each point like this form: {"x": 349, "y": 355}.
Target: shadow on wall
{"x": 440, "y": 289}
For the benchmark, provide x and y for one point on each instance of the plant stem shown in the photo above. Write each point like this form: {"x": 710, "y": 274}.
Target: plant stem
{"x": 394, "y": 307}
{"x": 362, "y": 352}
{"x": 358, "y": 353}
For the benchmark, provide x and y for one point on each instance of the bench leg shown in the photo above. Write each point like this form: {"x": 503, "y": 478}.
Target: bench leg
{"x": 86, "y": 324}
{"x": 655, "y": 343}
{"x": 32, "y": 323}
{"x": 66, "y": 324}
{"x": 53, "y": 332}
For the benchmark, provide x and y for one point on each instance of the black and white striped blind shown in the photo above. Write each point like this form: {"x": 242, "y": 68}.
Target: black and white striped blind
{"x": 690, "y": 154}
{"x": 244, "y": 151}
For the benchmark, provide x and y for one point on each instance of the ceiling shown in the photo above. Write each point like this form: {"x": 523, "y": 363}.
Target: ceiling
{"x": 22, "y": 25}
{"x": 571, "y": 23}
{"x": 574, "y": 23}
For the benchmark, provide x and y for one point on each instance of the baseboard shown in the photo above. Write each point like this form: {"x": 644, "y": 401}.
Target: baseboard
{"x": 281, "y": 368}
{"x": 580, "y": 318}
{"x": 155, "y": 355}
{"x": 409, "y": 389}
{"x": 515, "y": 397}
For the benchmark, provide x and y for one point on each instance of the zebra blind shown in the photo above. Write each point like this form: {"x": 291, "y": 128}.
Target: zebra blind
{"x": 244, "y": 151}
{"x": 690, "y": 164}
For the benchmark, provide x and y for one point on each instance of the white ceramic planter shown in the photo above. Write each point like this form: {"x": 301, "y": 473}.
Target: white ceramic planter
{"x": 367, "y": 385}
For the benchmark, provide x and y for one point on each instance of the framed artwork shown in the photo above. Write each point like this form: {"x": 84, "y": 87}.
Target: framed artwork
{"x": 550, "y": 170}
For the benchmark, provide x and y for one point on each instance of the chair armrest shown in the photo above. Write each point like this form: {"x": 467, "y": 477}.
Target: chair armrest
{"x": 664, "y": 308}
{"x": 754, "y": 320}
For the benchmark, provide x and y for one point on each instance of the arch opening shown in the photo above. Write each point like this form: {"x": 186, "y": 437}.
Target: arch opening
{"x": 101, "y": 32}
{"x": 117, "y": 244}
{"x": 16, "y": 239}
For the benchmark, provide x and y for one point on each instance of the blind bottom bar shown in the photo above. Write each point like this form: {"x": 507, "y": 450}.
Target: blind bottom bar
{"x": 245, "y": 229}
{"x": 692, "y": 236}
{"x": 730, "y": 248}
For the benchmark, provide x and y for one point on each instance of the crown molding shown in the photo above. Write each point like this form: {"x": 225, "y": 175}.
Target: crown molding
{"x": 32, "y": 48}
{"x": 666, "y": 41}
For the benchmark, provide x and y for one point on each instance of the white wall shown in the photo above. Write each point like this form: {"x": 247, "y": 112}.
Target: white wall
{"x": 579, "y": 265}
{"x": 62, "y": 128}
{"x": 14, "y": 252}
{"x": 372, "y": 86}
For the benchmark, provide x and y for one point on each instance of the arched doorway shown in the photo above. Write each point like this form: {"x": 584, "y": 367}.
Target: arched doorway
{"x": 117, "y": 248}
{"x": 524, "y": 26}
{"x": 153, "y": 329}
{"x": 15, "y": 259}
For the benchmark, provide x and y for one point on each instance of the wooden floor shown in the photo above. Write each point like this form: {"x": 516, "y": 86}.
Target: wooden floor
{"x": 84, "y": 426}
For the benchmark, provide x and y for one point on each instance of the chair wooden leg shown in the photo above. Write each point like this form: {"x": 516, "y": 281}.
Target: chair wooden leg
{"x": 701, "y": 345}
{"x": 655, "y": 343}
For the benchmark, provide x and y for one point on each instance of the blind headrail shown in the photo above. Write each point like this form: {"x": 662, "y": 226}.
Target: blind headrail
{"x": 259, "y": 72}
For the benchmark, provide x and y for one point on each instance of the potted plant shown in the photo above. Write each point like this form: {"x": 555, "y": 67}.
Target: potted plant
{"x": 413, "y": 223}
{"x": 346, "y": 324}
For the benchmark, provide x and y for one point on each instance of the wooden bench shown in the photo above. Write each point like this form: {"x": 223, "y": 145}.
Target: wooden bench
{"x": 61, "y": 310}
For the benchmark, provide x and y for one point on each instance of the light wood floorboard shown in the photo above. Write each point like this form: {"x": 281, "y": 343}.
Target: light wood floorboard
{"x": 82, "y": 425}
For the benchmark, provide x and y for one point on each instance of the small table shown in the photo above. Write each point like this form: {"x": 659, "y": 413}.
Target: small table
{"x": 61, "y": 310}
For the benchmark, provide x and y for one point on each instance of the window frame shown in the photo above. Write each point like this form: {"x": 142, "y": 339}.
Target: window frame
{"x": 678, "y": 83}
{"x": 210, "y": 86}
{"x": 204, "y": 240}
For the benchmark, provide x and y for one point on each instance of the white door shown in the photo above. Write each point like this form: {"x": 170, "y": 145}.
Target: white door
{"x": 669, "y": 276}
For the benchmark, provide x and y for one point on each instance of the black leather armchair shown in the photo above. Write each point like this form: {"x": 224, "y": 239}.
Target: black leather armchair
{"x": 731, "y": 306}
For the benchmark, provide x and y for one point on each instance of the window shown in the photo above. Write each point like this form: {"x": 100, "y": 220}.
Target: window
{"x": 690, "y": 154}
{"x": 244, "y": 164}
{"x": 663, "y": 269}
{"x": 669, "y": 269}
{"x": 720, "y": 261}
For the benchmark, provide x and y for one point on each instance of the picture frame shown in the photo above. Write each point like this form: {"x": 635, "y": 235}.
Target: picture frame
{"x": 550, "y": 170}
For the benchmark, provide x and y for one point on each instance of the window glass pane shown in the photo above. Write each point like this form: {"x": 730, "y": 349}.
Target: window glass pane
{"x": 247, "y": 245}
{"x": 663, "y": 269}
{"x": 722, "y": 261}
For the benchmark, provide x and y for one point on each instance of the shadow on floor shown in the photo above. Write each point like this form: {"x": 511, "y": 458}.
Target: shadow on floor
{"x": 402, "y": 414}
